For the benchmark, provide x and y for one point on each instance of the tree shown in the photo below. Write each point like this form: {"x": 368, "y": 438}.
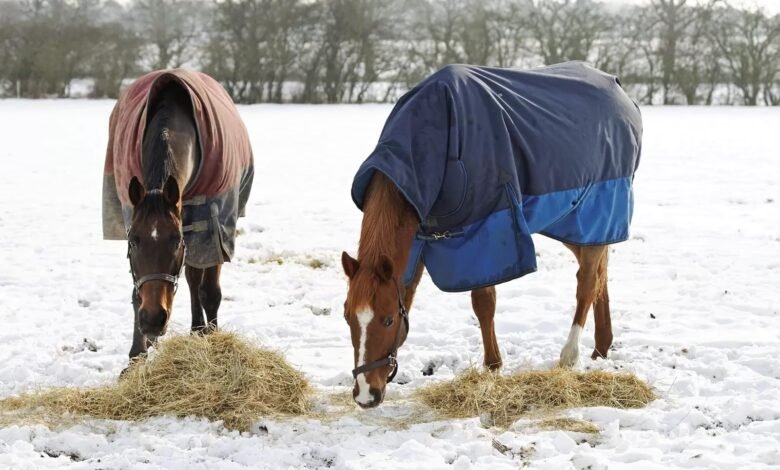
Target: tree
{"x": 171, "y": 28}
{"x": 566, "y": 29}
{"x": 748, "y": 40}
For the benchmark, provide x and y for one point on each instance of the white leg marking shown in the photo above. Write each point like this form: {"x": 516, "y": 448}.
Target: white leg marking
{"x": 570, "y": 354}
{"x": 364, "y": 396}
{"x": 154, "y": 232}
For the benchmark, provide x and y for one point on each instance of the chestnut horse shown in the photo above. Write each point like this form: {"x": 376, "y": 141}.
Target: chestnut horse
{"x": 377, "y": 302}
{"x": 470, "y": 163}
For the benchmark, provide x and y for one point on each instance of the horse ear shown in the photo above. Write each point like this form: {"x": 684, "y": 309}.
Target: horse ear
{"x": 136, "y": 191}
{"x": 349, "y": 264}
{"x": 385, "y": 268}
{"x": 171, "y": 191}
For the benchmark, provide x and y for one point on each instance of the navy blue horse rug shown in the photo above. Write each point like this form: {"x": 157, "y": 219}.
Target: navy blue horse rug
{"x": 488, "y": 156}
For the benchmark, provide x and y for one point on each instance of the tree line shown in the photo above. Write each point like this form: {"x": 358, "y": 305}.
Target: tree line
{"x": 346, "y": 51}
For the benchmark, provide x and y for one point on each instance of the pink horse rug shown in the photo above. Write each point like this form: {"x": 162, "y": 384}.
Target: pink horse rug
{"x": 216, "y": 195}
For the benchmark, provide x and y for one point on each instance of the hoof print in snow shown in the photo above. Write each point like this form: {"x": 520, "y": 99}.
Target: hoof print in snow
{"x": 84, "y": 303}
{"x": 486, "y": 420}
{"x": 652, "y": 316}
{"x": 319, "y": 311}
{"x": 261, "y": 429}
{"x": 55, "y": 454}
{"x": 429, "y": 369}
{"x": 86, "y": 344}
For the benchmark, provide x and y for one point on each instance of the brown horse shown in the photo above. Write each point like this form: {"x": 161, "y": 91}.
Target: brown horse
{"x": 377, "y": 304}
{"x": 181, "y": 133}
{"x": 170, "y": 155}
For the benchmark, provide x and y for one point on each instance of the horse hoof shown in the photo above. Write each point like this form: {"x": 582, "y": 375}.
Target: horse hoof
{"x": 598, "y": 355}
{"x": 570, "y": 355}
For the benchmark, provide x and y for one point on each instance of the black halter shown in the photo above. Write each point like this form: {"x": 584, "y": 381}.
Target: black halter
{"x": 391, "y": 358}
{"x": 138, "y": 282}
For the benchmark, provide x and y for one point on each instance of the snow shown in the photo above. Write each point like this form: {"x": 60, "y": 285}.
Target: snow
{"x": 694, "y": 303}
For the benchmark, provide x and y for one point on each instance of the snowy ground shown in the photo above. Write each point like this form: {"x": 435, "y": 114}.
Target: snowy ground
{"x": 694, "y": 295}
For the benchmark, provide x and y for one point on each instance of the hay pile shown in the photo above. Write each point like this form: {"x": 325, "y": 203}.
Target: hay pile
{"x": 505, "y": 398}
{"x": 218, "y": 376}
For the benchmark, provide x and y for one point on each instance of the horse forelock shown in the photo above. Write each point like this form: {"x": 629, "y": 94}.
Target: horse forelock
{"x": 152, "y": 209}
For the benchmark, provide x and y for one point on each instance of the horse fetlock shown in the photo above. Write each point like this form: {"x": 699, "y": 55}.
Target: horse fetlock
{"x": 602, "y": 349}
{"x": 493, "y": 364}
{"x": 598, "y": 353}
{"x": 570, "y": 354}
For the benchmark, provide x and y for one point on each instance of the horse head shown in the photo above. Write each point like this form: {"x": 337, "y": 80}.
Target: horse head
{"x": 155, "y": 251}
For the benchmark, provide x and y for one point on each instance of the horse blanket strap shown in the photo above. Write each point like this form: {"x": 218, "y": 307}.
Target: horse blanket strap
{"x": 391, "y": 359}
{"x": 488, "y": 156}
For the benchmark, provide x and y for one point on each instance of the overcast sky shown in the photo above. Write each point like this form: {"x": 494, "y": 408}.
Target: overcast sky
{"x": 772, "y": 6}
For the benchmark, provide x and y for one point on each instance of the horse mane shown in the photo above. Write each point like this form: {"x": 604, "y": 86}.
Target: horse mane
{"x": 389, "y": 224}
{"x": 163, "y": 113}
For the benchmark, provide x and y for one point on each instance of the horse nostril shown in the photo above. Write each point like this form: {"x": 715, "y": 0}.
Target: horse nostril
{"x": 161, "y": 318}
{"x": 377, "y": 395}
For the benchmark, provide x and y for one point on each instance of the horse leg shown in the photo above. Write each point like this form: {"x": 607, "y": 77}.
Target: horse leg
{"x": 483, "y": 301}
{"x": 601, "y": 314}
{"x": 194, "y": 278}
{"x": 211, "y": 295}
{"x": 140, "y": 342}
{"x": 588, "y": 283}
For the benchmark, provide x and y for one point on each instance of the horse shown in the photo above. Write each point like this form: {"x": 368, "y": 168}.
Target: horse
{"x": 470, "y": 163}
{"x": 178, "y": 138}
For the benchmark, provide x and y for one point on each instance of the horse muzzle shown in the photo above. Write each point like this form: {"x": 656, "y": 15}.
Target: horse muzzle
{"x": 372, "y": 399}
{"x": 152, "y": 324}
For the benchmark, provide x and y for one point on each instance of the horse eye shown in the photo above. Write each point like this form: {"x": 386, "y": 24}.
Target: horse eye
{"x": 135, "y": 241}
{"x": 388, "y": 321}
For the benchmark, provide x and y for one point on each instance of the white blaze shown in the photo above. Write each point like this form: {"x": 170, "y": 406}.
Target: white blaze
{"x": 570, "y": 353}
{"x": 364, "y": 318}
{"x": 154, "y": 231}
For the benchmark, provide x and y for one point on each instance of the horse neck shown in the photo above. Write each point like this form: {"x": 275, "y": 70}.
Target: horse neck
{"x": 389, "y": 225}
{"x": 170, "y": 145}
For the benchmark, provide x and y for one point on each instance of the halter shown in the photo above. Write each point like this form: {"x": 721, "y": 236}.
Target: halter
{"x": 138, "y": 282}
{"x": 390, "y": 359}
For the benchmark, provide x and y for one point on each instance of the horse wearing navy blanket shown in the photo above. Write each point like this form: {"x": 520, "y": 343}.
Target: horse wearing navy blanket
{"x": 178, "y": 173}
{"x": 470, "y": 163}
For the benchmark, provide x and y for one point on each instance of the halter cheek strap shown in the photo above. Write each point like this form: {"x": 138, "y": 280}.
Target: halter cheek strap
{"x": 391, "y": 359}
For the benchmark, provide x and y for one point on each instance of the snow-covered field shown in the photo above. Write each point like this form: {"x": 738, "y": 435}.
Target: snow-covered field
{"x": 695, "y": 296}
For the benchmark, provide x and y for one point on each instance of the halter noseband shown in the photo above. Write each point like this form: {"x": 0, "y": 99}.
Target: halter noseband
{"x": 390, "y": 359}
{"x": 138, "y": 282}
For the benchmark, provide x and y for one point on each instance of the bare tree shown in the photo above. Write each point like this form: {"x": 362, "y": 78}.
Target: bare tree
{"x": 697, "y": 70}
{"x": 507, "y": 23}
{"x": 626, "y": 50}
{"x": 566, "y": 29}
{"x": 748, "y": 40}
{"x": 171, "y": 28}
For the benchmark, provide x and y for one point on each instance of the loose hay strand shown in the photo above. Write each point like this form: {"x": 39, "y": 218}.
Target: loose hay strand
{"x": 219, "y": 376}
{"x": 508, "y": 397}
